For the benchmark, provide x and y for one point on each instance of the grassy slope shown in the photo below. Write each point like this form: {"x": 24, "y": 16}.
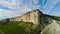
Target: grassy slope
{"x": 18, "y": 28}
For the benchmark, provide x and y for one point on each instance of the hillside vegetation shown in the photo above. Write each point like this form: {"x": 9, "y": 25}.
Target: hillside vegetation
{"x": 56, "y": 18}
{"x": 53, "y": 17}
{"x": 18, "y": 28}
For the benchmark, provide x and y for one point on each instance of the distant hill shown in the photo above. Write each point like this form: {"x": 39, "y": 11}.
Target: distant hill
{"x": 53, "y": 17}
{"x": 56, "y": 18}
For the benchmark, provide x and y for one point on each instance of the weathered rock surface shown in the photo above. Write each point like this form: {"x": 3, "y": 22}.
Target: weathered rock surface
{"x": 53, "y": 28}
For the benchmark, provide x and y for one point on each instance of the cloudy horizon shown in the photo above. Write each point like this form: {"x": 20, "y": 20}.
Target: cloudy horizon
{"x": 13, "y": 8}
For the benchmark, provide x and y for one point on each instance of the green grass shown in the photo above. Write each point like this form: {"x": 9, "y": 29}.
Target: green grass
{"x": 56, "y": 17}
{"x": 18, "y": 28}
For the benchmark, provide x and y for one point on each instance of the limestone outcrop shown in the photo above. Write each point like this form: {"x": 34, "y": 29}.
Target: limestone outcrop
{"x": 44, "y": 22}
{"x": 35, "y": 16}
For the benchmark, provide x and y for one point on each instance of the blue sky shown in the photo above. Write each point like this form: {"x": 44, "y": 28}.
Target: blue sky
{"x": 13, "y": 8}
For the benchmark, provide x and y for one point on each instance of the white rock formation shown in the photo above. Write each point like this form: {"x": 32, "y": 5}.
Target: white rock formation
{"x": 53, "y": 28}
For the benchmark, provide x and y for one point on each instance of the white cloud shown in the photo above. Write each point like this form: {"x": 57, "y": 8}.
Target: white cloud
{"x": 20, "y": 7}
{"x": 35, "y": 1}
{"x": 27, "y": 6}
{"x": 13, "y": 4}
{"x": 7, "y": 14}
{"x": 18, "y": 4}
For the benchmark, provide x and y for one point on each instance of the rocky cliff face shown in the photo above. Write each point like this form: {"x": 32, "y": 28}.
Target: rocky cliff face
{"x": 34, "y": 16}
{"x": 31, "y": 16}
{"x": 46, "y": 24}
